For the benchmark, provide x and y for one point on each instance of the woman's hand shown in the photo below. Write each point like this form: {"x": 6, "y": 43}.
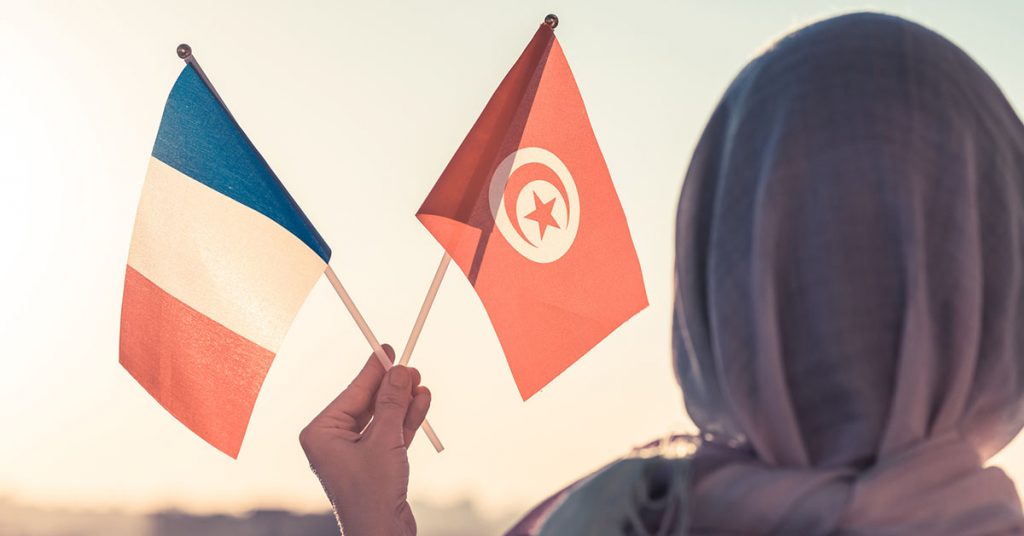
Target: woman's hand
{"x": 357, "y": 448}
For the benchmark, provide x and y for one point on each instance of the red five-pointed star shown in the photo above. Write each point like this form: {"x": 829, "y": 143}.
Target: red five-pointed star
{"x": 542, "y": 214}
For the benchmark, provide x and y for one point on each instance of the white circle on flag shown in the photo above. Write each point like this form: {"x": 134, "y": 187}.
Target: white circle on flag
{"x": 541, "y": 219}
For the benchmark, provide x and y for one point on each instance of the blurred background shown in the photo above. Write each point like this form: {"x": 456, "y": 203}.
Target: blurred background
{"x": 357, "y": 107}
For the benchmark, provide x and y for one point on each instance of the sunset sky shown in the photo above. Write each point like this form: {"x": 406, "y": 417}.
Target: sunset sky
{"x": 357, "y": 107}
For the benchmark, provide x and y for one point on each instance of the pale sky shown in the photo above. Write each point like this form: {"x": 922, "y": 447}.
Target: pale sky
{"x": 357, "y": 107}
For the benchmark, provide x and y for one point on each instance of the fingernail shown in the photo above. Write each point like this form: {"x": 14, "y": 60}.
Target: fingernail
{"x": 399, "y": 376}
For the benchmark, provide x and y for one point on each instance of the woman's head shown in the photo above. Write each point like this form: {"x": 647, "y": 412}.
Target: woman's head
{"x": 850, "y": 253}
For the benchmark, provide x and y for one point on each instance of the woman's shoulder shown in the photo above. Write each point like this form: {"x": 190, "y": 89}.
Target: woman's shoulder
{"x": 641, "y": 493}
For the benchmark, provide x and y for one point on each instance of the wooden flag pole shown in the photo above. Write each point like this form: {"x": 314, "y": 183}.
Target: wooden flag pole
{"x": 428, "y": 302}
{"x": 551, "y": 20}
{"x": 378, "y": 350}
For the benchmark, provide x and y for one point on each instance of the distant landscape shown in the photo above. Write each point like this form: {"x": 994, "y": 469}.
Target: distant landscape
{"x": 18, "y": 519}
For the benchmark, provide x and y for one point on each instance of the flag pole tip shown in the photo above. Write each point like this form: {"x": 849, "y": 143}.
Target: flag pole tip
{"x": 551, "y": 20}
{"x": 184, "y": 51}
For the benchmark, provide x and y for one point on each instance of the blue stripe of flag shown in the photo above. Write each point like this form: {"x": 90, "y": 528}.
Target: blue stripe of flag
{"x": 199, "y": 138}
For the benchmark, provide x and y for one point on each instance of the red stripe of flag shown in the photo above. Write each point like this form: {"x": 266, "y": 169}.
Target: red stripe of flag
{"x": 206, "y": 375}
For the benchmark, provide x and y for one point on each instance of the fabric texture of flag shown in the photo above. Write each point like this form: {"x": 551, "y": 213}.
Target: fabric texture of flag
{"x": 527, "y": 209}
{"x": 221, "y": 260}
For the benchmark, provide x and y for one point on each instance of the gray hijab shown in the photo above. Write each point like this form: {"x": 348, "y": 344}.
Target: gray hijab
{"x": 849, "y": 317}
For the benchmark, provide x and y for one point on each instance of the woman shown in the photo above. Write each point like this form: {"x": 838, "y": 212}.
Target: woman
{"x": 849, "y": 321}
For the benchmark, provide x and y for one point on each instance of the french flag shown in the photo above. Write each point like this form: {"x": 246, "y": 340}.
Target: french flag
{"x": 221, "y": 260}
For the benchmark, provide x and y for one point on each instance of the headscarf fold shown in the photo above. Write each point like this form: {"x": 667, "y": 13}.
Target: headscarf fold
{"x": 849, "y": 319}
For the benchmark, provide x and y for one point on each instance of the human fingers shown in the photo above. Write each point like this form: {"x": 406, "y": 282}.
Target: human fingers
{"x": 393, "y": 399}
{"x": 417, "y": 413}
{"x": 353, "y": 407}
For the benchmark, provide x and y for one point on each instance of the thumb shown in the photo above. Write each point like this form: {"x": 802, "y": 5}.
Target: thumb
{"x": 393, "y": 398}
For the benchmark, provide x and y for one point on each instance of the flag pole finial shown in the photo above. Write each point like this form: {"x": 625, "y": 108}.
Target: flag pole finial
{"x": 551, "y": 20}
{"x": 184, "y": 51}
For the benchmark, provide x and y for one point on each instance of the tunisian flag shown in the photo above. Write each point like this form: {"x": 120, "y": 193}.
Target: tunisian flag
{"x": 527, "y": 209}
